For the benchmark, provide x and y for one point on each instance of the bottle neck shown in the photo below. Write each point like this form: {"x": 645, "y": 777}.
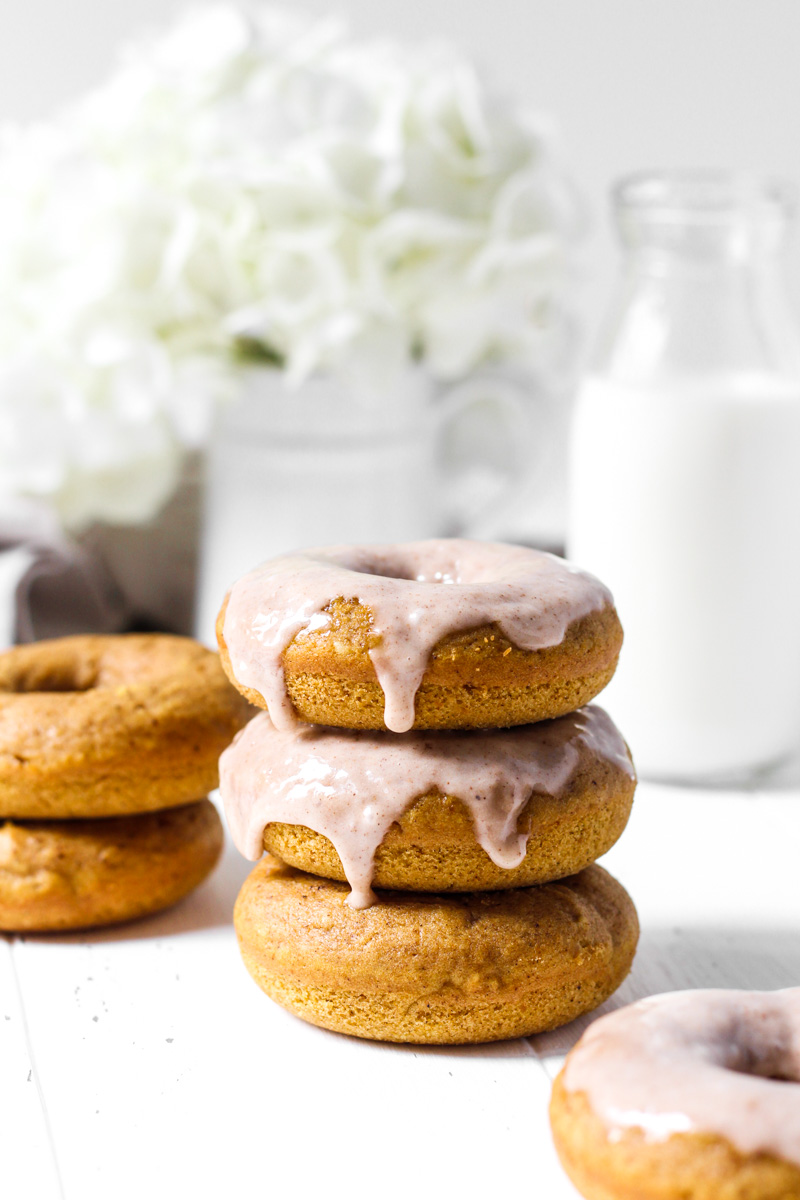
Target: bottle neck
{"x": 741, "y": 239}
{"x": 668, "y": 323}
{"x": 686, "y": 267}
{"x": 702, "y": 293}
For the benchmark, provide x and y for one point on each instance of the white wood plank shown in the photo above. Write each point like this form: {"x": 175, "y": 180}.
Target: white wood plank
{"x": 28, "y": 1167}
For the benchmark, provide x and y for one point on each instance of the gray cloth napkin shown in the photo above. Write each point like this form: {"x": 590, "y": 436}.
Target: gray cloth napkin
{"x": 63, "y": 591}
{"x": 110, "y": 579}
{"x": 51, "y": 586}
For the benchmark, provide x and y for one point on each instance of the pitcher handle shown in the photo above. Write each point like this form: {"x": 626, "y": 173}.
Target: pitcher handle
{"x": 484, "y": 467}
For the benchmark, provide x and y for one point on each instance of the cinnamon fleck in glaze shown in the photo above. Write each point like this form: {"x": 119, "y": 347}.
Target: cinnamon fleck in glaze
{"x": 724, "y": 1062}
{"x": 351, "y": 786}
{"x": 417, "y": 593}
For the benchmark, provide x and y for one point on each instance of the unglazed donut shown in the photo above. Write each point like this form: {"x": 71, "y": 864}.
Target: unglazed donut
{"x": 430, "y": 811}
{"x": 447, "y": 634}
{"x": 417, "y": 967}
{"x": 687, "y": 1096}
{"x": 106, "y": 725}
{"x": 59, "y": 875}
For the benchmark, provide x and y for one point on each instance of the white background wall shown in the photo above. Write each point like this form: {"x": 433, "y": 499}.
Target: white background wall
{"x": 632, "y": 83}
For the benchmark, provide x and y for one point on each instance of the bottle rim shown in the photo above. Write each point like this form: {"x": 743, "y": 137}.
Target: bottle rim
{"x": 705, "y": 196}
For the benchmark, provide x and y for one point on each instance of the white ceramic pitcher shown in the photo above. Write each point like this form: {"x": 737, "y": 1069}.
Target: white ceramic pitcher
{"x": 329, "y": 463}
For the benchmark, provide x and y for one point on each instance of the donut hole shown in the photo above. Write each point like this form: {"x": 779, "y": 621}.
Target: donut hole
{"x": 408, "y": 573}
{"x": 766, "y": 1063}
{"x": 782, "y": 1073}
{"x": 420, "y": 562}
{"x": 389, "y": 566}
{"x": 776, "y": 1074}
{"x": 773, "y": 1075}
{"x": 400, "y": 573}
{"x": 51, "y": 677}
{"x": 400, "y": 567}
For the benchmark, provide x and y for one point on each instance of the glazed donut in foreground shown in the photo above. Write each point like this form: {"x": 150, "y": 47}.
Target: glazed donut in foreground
{"x": 59, "y": 875}
{"x": 418, "y": 967}
{"x": 430, "y": 811}
{"x": 106, "y": 725}
{"x": 689, "y": 1095}
{"x": 447, "y": 634}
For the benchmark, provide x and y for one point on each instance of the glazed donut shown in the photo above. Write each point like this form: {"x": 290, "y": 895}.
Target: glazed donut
{"x": 418, "y": 967}
{"x": 107, "y": 725}
{"x": 58, "y": 875}
{"x": 692, "y": 1094}
{"x": 430, "y": 811}
{"x": 447, "y": 634}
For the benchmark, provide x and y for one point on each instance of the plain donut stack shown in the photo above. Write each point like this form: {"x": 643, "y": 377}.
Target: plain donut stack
{"x": 446, "y": 754}
{"x": 108, "y": 747}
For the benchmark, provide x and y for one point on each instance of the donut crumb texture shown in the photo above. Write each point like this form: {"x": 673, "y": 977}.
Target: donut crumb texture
{"x": 431, "y": 968}
{"x": 59, "y": 875}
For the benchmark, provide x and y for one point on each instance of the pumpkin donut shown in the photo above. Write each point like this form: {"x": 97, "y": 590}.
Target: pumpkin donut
{"x": 430, "y": 811}
{"x": 447, "y": 634}
{"x": 420, "y": 967}
{"x": 692, "y": 1094}
{"x": 58, "y": 875}
{"x": 107, "y": 725}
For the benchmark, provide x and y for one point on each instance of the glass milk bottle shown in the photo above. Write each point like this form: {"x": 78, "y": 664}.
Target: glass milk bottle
{"x": 685, "y": 477}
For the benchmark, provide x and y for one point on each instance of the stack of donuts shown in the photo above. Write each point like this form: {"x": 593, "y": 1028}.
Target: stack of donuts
{"x": 432, "y": 788}
{"x": 108, "y": 748}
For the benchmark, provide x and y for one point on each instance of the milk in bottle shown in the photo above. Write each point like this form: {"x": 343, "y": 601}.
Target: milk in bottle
{"x": 685, "y": 479}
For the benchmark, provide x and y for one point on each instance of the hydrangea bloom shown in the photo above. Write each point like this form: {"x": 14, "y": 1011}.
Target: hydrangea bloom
{"x": 256, "y": 186}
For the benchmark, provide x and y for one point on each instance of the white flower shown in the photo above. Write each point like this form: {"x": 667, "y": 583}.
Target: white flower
{"x": 257, "y": 185}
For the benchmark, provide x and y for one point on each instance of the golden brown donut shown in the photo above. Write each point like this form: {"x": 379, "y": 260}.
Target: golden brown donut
{"x": 419, "y": 967}
{"x": 433, "y": 810}
{"x": 439, "y": 634}
{"x": 432, "y": 848}
{"x": 107, "y": 725}
{"x": 474, "y": 679}
{"x": 58, "y": 875}
{"x": 687, "y": 1095}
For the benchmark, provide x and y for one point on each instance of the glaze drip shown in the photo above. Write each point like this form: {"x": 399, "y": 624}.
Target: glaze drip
{"x": 723, "y": 1061}
{"x": 417, "y": 593}
{"x": 351, "y": 786}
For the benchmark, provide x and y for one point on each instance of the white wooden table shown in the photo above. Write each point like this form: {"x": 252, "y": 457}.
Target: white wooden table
{"x": 143, "y": 1062}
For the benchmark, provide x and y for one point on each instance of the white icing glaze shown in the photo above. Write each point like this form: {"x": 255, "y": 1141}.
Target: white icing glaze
{"x": 352, "y": 785}
{"x": 418, "y": 593}
{"x": 725, "y": 1062}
